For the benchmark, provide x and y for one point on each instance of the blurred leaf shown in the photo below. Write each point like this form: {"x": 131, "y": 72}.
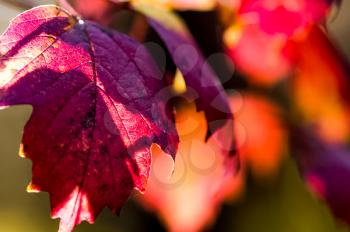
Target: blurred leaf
{"x": 189, "y": 198}
{"x": 325, "y": 168}
{"x": 321, "y": 86}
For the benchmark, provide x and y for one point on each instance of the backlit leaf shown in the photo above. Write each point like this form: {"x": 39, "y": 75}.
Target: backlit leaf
{"x": 96, "y": 110}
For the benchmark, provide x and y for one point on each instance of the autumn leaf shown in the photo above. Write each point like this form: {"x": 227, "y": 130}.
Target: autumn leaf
{"x": 96, "y": 110}
{"x": 200, "y": 79}
{"x": 297, "y": 15}
{"x": 261, "y": 57}
{"x": 261, "y": 44}
{"x": 261, "y": 141}
{"x": 320, "y": 86}
{"x": 202, "y": 83}
{"x": 261, "y": 136}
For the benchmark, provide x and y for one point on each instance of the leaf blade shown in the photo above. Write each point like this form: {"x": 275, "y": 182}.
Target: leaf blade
{"x": 95, "y": 115}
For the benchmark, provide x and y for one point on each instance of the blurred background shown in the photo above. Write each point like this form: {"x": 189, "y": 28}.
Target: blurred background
{"x": 279, "y": 204}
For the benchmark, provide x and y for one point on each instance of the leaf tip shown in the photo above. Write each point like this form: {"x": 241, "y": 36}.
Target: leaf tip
{"x": 21, "y": 151}
{"x": 73, "y": 211}
{"x": 179, "y": 84}
{"x": 32, "y": 188}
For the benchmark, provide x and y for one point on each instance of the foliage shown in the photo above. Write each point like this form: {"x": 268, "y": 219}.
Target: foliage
{"x": 107, "y": 110}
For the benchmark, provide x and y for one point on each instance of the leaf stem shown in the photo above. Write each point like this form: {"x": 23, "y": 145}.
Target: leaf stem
{"x": 66, "y": 5}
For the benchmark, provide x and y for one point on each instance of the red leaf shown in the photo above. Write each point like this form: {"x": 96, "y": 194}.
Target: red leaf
{"x": 95, "y": 114}
{"x": 200, "y": 78}
{"x": 261, "y": 39}
{"x": 261, "y": 136}
{"x": 320, "y": 86}
{"x": 258, "y": 55}
{"x": 296, "y": 15}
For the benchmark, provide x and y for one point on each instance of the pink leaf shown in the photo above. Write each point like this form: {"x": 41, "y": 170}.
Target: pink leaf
{"x": 296, "y": 15}
{"x": 95, "y": 110}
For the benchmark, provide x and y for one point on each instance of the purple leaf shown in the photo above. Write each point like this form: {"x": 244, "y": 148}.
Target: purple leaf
{"x": 325, "y": 168}
{"x": 199, "y": 77}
